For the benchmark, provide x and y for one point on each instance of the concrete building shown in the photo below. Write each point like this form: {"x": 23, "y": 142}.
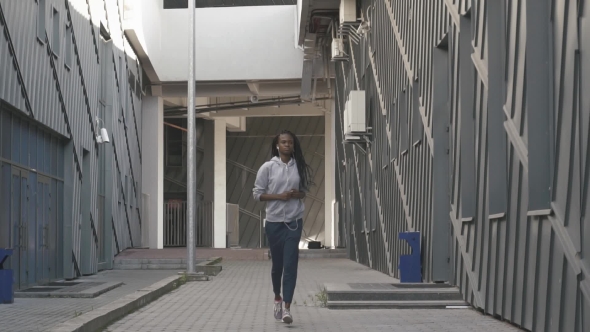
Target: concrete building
{"x": 415, "y": 116}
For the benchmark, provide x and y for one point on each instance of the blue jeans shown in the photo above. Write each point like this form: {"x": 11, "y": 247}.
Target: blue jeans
{"x": 283, "y": 239}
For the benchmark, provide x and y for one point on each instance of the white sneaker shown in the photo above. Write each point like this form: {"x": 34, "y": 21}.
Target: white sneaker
{"x": 287, "y": 318}
{"x": 278, "y": 310}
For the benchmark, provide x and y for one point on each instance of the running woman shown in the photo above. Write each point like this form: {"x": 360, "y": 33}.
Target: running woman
{"x": 282, "y": 183}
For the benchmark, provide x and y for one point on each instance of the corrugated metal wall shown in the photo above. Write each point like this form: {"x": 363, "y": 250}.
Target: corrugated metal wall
{"x": 453, "y": 110}
{"x": 53, "y": 75}
{"x": 247, "y": 151}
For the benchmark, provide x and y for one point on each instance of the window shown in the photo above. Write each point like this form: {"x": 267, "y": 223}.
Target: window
{"x": 126, "y": 193}
{"x": 138, "y": 89}
{"x": 55, "y": 40}
{"x": 175, "y": 4}
{"x": 131, "y": 81}
{"x": 68, "y": 44}
{"x": 174, "y": 149}
{"x": 122, "y": 73}
{"x": 120, "y": 186}
{"x": 41, "y": 21}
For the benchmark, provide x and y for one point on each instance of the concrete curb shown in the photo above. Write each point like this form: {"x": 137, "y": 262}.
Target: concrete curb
{"x": 99, "y": 318}
{"x": 85, "y": 294}
{"x": 213, "y": 260}
{"x": 209, "y": 267}
{"x": 198, "y": 276}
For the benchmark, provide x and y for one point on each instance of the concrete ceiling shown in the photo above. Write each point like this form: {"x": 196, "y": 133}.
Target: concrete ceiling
{"x": 176, "y": 108}
{"x": 237, "y": 89}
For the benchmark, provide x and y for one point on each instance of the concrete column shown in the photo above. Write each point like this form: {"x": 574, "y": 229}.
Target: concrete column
{"x": 152, "y": 173}
{"x": 329, "y": 164}
{"x": 219, "y": 184}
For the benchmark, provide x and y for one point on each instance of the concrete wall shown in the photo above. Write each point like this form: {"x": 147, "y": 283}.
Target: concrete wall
{"x": 233, "y": 43}
{"x": 153, "y": 168}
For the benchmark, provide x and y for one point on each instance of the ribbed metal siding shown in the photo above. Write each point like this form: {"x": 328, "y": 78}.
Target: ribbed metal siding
{"x": 66, "y": 99}
{"x": 400, "y": 153}
{"x": 526, "y": 266}
{"x": 33, "y": 63}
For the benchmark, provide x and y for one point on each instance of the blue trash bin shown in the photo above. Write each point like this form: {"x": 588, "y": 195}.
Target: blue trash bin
{"x": 6, "y": 278}
{"x": 410, "y": 266}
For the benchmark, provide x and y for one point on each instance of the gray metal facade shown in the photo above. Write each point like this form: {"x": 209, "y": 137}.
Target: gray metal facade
{"x": 58, "y": 72}
{"x": 480, "y": 142}
{"x": 247, "y": 151}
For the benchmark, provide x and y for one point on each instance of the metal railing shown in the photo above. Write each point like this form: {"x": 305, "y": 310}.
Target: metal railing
{"x": 175, "y": 226}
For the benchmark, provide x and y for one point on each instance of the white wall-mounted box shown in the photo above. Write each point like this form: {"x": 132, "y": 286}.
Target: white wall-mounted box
{"x": 347, "y": 11}
{"x": 338, "y": 50}
{"x": 355, "y": 109}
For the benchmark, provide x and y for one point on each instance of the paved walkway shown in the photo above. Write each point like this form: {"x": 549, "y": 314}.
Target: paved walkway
{"x": 240, "y": 299}
{"x": 35, "y": 314}
{"x": 200, "y": 253}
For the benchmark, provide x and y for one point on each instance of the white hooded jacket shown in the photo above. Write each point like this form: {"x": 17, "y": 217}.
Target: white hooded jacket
{"x": 276, "y": 177}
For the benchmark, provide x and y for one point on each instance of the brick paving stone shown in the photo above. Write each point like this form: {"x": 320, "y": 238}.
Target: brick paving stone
{"x": 41, "y": 314}
{"x": 240, "y": 299}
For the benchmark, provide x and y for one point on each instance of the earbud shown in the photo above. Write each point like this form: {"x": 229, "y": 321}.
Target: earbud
{"x": 277, "y": 147}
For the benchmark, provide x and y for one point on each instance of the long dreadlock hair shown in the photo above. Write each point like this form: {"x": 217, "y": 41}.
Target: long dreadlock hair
{"x": 305, "y": 173}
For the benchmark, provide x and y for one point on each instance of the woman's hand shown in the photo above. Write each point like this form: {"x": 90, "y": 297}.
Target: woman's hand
{"x": 296, "y": 194}
{"x": 287, "y": 195}
{"x": 275, "y": 197}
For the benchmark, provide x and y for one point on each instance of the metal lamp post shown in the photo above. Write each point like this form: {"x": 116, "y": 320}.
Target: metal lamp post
{"x": 192, "y": 142}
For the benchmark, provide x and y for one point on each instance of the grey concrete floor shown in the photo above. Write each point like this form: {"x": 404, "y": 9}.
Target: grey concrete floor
{"x": 37, "y": 314}
{"x": 240, "y": 299}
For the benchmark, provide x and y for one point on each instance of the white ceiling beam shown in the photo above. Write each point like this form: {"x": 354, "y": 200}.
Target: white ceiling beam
{"x": 306, "y": 109}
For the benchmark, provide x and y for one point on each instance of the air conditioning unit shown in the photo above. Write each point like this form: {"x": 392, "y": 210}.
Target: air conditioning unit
{"x": 354, "y": 113}
{"x": 338, "y": 50}
{"x": 347, "y": 11}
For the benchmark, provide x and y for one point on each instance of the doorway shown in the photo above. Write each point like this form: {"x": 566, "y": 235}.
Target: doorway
{"x": 47, "y": 230}
{"x": 19, "y": 210}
